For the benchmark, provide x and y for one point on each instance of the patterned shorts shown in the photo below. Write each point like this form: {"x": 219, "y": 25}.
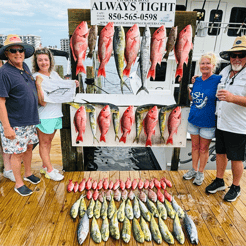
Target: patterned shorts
{"x": 25, "y": 135}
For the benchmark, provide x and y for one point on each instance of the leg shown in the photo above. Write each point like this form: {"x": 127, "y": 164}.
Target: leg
{"x": 6, "y": 159}
{"x": 45, "y": 147}
{"x": 27, "y": 160}
{"x": 16, "y": 167}
{"x": 204, "y": 153}
{"x": 221, "y": 163}
{"x": 237, "y": 171}
{"x": 195, "y": 140}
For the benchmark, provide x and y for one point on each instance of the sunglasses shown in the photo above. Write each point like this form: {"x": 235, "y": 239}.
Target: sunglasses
{"x": 240, "y": 56}
{"x": 13, "y": 51}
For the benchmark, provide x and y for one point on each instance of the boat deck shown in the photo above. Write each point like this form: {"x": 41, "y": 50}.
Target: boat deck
{"x": 44, "y": 217}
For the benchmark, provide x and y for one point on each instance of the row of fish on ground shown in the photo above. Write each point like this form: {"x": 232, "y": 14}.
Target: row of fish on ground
{"x": 125, "y": 123}
{"x": 142, "y": 212}
{"x": 127, "y": 47}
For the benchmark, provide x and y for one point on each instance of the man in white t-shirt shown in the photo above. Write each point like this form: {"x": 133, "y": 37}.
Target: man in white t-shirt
{"x": 231, "y": 120}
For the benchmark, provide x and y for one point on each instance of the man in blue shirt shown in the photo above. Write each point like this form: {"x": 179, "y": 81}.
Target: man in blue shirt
{"x": 18, "y": 110}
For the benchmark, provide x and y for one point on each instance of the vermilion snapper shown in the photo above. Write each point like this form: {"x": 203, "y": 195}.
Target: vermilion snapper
{"x": 79, "y": 44}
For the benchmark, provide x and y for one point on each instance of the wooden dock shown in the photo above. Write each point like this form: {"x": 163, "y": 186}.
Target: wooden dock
{"x": 44, "y": 217}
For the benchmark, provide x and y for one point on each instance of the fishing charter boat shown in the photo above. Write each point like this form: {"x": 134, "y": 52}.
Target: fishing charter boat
{"x": 218, "y": 24}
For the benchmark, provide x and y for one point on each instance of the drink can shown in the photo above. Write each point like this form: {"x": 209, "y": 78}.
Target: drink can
{"x": 220, "y": 86}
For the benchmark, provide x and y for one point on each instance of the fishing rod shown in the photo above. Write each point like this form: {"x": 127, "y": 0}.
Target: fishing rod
{"x": 241, "y": 26}
{"x": 201, "y": 15}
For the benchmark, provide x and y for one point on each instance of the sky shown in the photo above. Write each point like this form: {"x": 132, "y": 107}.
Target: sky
{"x": 47, "y": 19}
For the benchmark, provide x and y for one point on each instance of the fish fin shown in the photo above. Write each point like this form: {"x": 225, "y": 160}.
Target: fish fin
{"x": 169, "y": 140}
{"x": 80, "y": 68}
{"x": 127, "y": 71}
{"x": 151, "y": 73}
{"x": 102, "y": 138}
{"x": 101, "y": 72}
{"x": 179, "y": 72}
{"x": 123, "y": 139}
{"x": 148, "y": 142}
{"x": 71, "y": 45}
{"x": 142, "y": 88}
{"x": 79, "y": 138}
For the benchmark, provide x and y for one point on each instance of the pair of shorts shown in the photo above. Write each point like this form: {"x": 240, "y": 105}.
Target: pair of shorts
{"x": 25, "y": 135}
{"x": 231, "y": 144}
{"x": 204, "y": 132}
{"x": 48, "y": 126}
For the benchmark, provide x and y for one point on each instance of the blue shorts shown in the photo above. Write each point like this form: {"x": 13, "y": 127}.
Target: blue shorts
{"x": 48, "y": 126}
{"x": 204, "y": 132}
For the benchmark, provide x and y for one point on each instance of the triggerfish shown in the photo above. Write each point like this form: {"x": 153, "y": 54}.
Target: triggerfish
{"x": 126, "y": 122}
{"x": 103, "y": 121}
{"x": 105, "y": 47}
{"x": 80, "y": 123}
{"x": 79, "y": 44}
{"x": 149, "y": 124}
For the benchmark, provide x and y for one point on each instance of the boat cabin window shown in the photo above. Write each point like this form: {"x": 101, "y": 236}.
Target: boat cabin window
{"x": 214, "y": 26}
{"x": 221, "y": 66}
{"x": 180, "y": 7}
{"x": 200, "y": 14}
{"x": 160, "y": 72}
{"x": 238, "y": 15}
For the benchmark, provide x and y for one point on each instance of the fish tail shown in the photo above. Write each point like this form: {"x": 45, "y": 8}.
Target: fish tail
{"x": 162, "y": 138}
{"x": 142, "y": 88}
{"x": 151, "y": 73}
{"x": 169, "y": 140}
{"x": 179, "y": 72}
{"x": 89, "y": 55}
{"x": 136, "y": 139}
{"x": 117, "y": 137}
{"x": 148, "y": 142}
{"x": 101, "y": 72}
{"x": 122, "y": 83}
{"x": 166, "y": 55}
{"x": 96, "y": 139}
{"x": 123, "y": 139}
{"x": 127, "y": 71}
{"x": 80, "y": 68}
{"x": 102, "y": 138}
{"x": 79, "y": 138}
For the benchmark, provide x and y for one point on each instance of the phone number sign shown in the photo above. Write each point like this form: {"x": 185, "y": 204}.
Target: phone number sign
{"x": 129, "y": 12}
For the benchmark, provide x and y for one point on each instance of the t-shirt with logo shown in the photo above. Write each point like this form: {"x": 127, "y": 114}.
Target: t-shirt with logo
{"x": 202, "y": 111}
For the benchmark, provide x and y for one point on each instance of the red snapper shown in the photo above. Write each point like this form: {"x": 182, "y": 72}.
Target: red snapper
{"x": 103, "y": 121}
{"x": 80, "y": 123}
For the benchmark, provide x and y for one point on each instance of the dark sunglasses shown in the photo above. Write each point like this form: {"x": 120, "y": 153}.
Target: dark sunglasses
{"x": 13, "y": 51}
{"x": 240, "y": 56}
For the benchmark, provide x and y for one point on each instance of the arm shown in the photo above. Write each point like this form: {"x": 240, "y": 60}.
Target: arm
{"x": 224, "y": 95}
{"x": 8, "y": 130}
{"x": 40, "y": 92}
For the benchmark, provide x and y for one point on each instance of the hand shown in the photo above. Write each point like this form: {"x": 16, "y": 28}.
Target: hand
{"x": 193, "y": 79}
{"x": 9, "y": 133}
{"x": 77, "y": 83}
{"x": 39, "y": 80}
{"x": 224, "y": 95}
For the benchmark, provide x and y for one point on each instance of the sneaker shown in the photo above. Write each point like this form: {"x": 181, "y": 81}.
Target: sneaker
{"x": 233, "y": 193}
{"x": 23, "y": 190}
{"x": 190, "y": 174}
{"x": 216, "y": 185}
{"x": 33, "y": 179}
{"x": 9, "y": 175}
{"x": 43, "y": 170}
{"x": 199, "y": 178}
{"x": 56, "y": 176}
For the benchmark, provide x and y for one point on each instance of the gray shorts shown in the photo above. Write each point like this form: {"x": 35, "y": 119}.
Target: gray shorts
{"x": 25, "y": 135}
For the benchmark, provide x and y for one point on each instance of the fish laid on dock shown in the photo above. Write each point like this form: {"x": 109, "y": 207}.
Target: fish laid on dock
{"x": 177, "y": 230}
{"x": 105, "y": 47}
{"x": 126, "y": 230}
{"x": 132, "y": 48}
{"x": 83, "y": 228}
{"x": 105, "y": 230}
{"x": 95, "y": 232}
{"x": 166, "y": 234}
{"x": 137, "y": 231}
{"x": 145, "y": 228}
{"x": 191, "y": 229}
{"x": 79, "y": 44}
{"x": 155, "y": 231}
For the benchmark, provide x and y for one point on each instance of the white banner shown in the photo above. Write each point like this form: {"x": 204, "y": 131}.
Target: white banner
{"x": 59, "y": 91}
{"x": 129, "y": 12}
